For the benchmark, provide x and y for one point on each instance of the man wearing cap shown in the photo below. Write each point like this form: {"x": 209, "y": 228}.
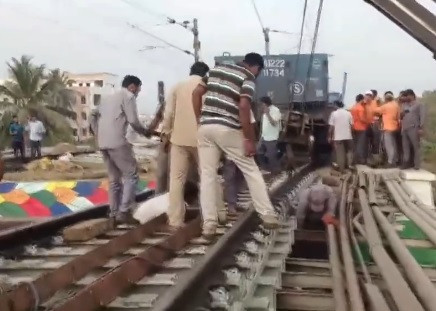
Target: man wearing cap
{"x": 412, "y": 129}
{"x": 390, "y": 113}
{"x": 316, "y": 205}
{"x": 341, "y": 122}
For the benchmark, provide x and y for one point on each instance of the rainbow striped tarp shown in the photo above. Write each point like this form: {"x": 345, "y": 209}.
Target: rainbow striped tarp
{"x": 48, "y": 199}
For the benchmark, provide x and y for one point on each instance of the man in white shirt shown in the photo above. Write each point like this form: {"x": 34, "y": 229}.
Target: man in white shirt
{"x": 270, "y": 134}
{"x": 36, "y": 133}
{"x": 341, "y": 122}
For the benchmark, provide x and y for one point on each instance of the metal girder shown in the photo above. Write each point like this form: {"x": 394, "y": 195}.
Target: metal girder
{"x": 412, "y": 17}
{"x": 306, "y": 280}
{"x": 22, "y": 297}
{"x": 304, "y": 301}
{"x": 108, "y": 287}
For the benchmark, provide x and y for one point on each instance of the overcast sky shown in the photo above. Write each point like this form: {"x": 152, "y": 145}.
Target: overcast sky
{"x": 93, "y": 36}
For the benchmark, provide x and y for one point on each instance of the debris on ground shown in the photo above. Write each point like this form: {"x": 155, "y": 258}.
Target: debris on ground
{"x": 63, "y": 148}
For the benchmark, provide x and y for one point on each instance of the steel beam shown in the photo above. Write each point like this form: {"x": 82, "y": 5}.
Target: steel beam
{"x": 412, "y": 17}
{"x": 306, "y": 280}
{"x": 402, "y": 294}
{"x": 304, "y": 301}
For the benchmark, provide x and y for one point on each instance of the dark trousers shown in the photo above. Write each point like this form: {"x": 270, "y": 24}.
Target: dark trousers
{"x": 344, "y": 153}
{"x": 18, "y": 147}
{"x": 313, "y": 221}
{"x": 374, "y": 137}
{"x": 411, "y": 144}
{"x": 269, "y": 156}
{"x": 35, "y": 149}
{"x": 361, "y": 143}
{"x": 234, "y": 183}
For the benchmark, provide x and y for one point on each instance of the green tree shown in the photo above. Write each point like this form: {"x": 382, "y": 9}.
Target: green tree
{"x": 33, "y": 89}
{"x": 429, "y": 100}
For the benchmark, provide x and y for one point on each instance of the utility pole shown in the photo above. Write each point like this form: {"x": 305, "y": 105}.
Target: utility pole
{"x": 344, "y": 85}
{"x": 195, "y": 32}
{"x": 266, "y": 36}
{"x": 197, "y": 43}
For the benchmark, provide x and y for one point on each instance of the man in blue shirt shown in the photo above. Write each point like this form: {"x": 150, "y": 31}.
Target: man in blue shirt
{"x": 16, "y": 130}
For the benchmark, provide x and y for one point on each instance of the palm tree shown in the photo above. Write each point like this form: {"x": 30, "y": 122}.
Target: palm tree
{"x": 32, "y": 89}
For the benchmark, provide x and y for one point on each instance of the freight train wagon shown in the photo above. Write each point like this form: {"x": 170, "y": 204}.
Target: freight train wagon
{"x": 302, "y": 94}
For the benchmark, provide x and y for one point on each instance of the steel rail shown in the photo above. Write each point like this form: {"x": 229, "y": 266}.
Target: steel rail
{"x": 194, "y": 288}
{"x": 420, "y": 211}
{"x": 423, "y": 211}
{"x": 105, "y": 289}
{"x": 19, "y": 236}
{"x": 335, "y": 266}
{"x": 22, "y": 298}
{"x": 403, "y": 296}
{"x": 420, "y": 281}
{"x": 354, "y": 293}
{"x": 428, "y": 230}
{"x": 414, "y": 198}
{"x": 376, "y": 300}
{"x": 354, "y": 241}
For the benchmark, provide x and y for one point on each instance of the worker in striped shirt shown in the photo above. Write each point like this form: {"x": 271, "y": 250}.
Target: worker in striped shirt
{"x": 225, "y": 127}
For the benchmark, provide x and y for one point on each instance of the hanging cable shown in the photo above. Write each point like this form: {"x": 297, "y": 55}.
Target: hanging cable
{"x": 258, "y": 15}
{"x": 315, "y": 38}
{"x": 159, "y": 39}
{"x": 295, "y": 67}
{"x": 146, "y": 10}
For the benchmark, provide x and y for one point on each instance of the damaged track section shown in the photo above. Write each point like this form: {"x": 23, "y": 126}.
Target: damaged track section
{"x": 127, "y": 268}
{"x": 243, "y": 268}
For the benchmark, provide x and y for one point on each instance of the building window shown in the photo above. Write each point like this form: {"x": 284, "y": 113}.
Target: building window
{"x": 75, "y": 132}
{"x": 88, "y": 84}
{"x": 80, "y": 84}
{"x": 98, "y": 83}
{"x": 97, "y": 99}
{"x": 83, "y": 99}
{"x": 84, "y": 131}
{"x": 84, "y": 116}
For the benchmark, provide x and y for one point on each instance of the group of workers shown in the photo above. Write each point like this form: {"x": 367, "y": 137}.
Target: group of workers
{"x": 375, "y": 128}
{"x": 207, "y": 121}
{"x": 208, "y": 126}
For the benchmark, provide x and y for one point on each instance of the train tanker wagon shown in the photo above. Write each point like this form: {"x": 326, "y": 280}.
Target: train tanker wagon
{"x": 302, "y": 95}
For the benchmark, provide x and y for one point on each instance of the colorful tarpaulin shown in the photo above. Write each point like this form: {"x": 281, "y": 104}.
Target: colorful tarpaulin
{"x": 47, "y": 199}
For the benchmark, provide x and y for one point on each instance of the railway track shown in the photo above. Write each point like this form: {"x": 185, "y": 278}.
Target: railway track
{"x": 147, "y": 267}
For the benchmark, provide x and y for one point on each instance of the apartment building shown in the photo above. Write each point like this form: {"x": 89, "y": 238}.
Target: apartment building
{"x": 89, "y": 89}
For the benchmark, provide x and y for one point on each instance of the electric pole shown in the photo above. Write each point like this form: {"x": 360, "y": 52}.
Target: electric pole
{"x": 344, "y": 85}
{"x": 266, "y": 36}
{"x": 195, "y": 32}
{"x": 197, "y": 43}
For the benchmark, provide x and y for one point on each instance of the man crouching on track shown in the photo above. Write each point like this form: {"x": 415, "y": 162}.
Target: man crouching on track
{"x": 109, "y": 123}
{"x": 316, "y": 206}
{"x": 225, "y": 127}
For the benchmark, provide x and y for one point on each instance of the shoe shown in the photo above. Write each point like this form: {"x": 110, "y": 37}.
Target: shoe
{"x": 270, "y": 221}
{"x": 231, "y": 209}
{"x": 404, "y": 167}
{"x": 126, "y": 218}
{"x": 209, "y": 231}
{"x": 112, "y": 222}
{"x": 222, "y": 217}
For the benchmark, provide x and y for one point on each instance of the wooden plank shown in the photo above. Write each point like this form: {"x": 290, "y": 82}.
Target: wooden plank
{"x": 86, "y": 230}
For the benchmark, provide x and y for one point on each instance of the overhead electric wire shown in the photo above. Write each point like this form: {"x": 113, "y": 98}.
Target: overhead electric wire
{"x": 258, "y": 15}
{"x": 159, "y": 39}
{"x": 145, "y": 9}
{"x": 315, "y": 39}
